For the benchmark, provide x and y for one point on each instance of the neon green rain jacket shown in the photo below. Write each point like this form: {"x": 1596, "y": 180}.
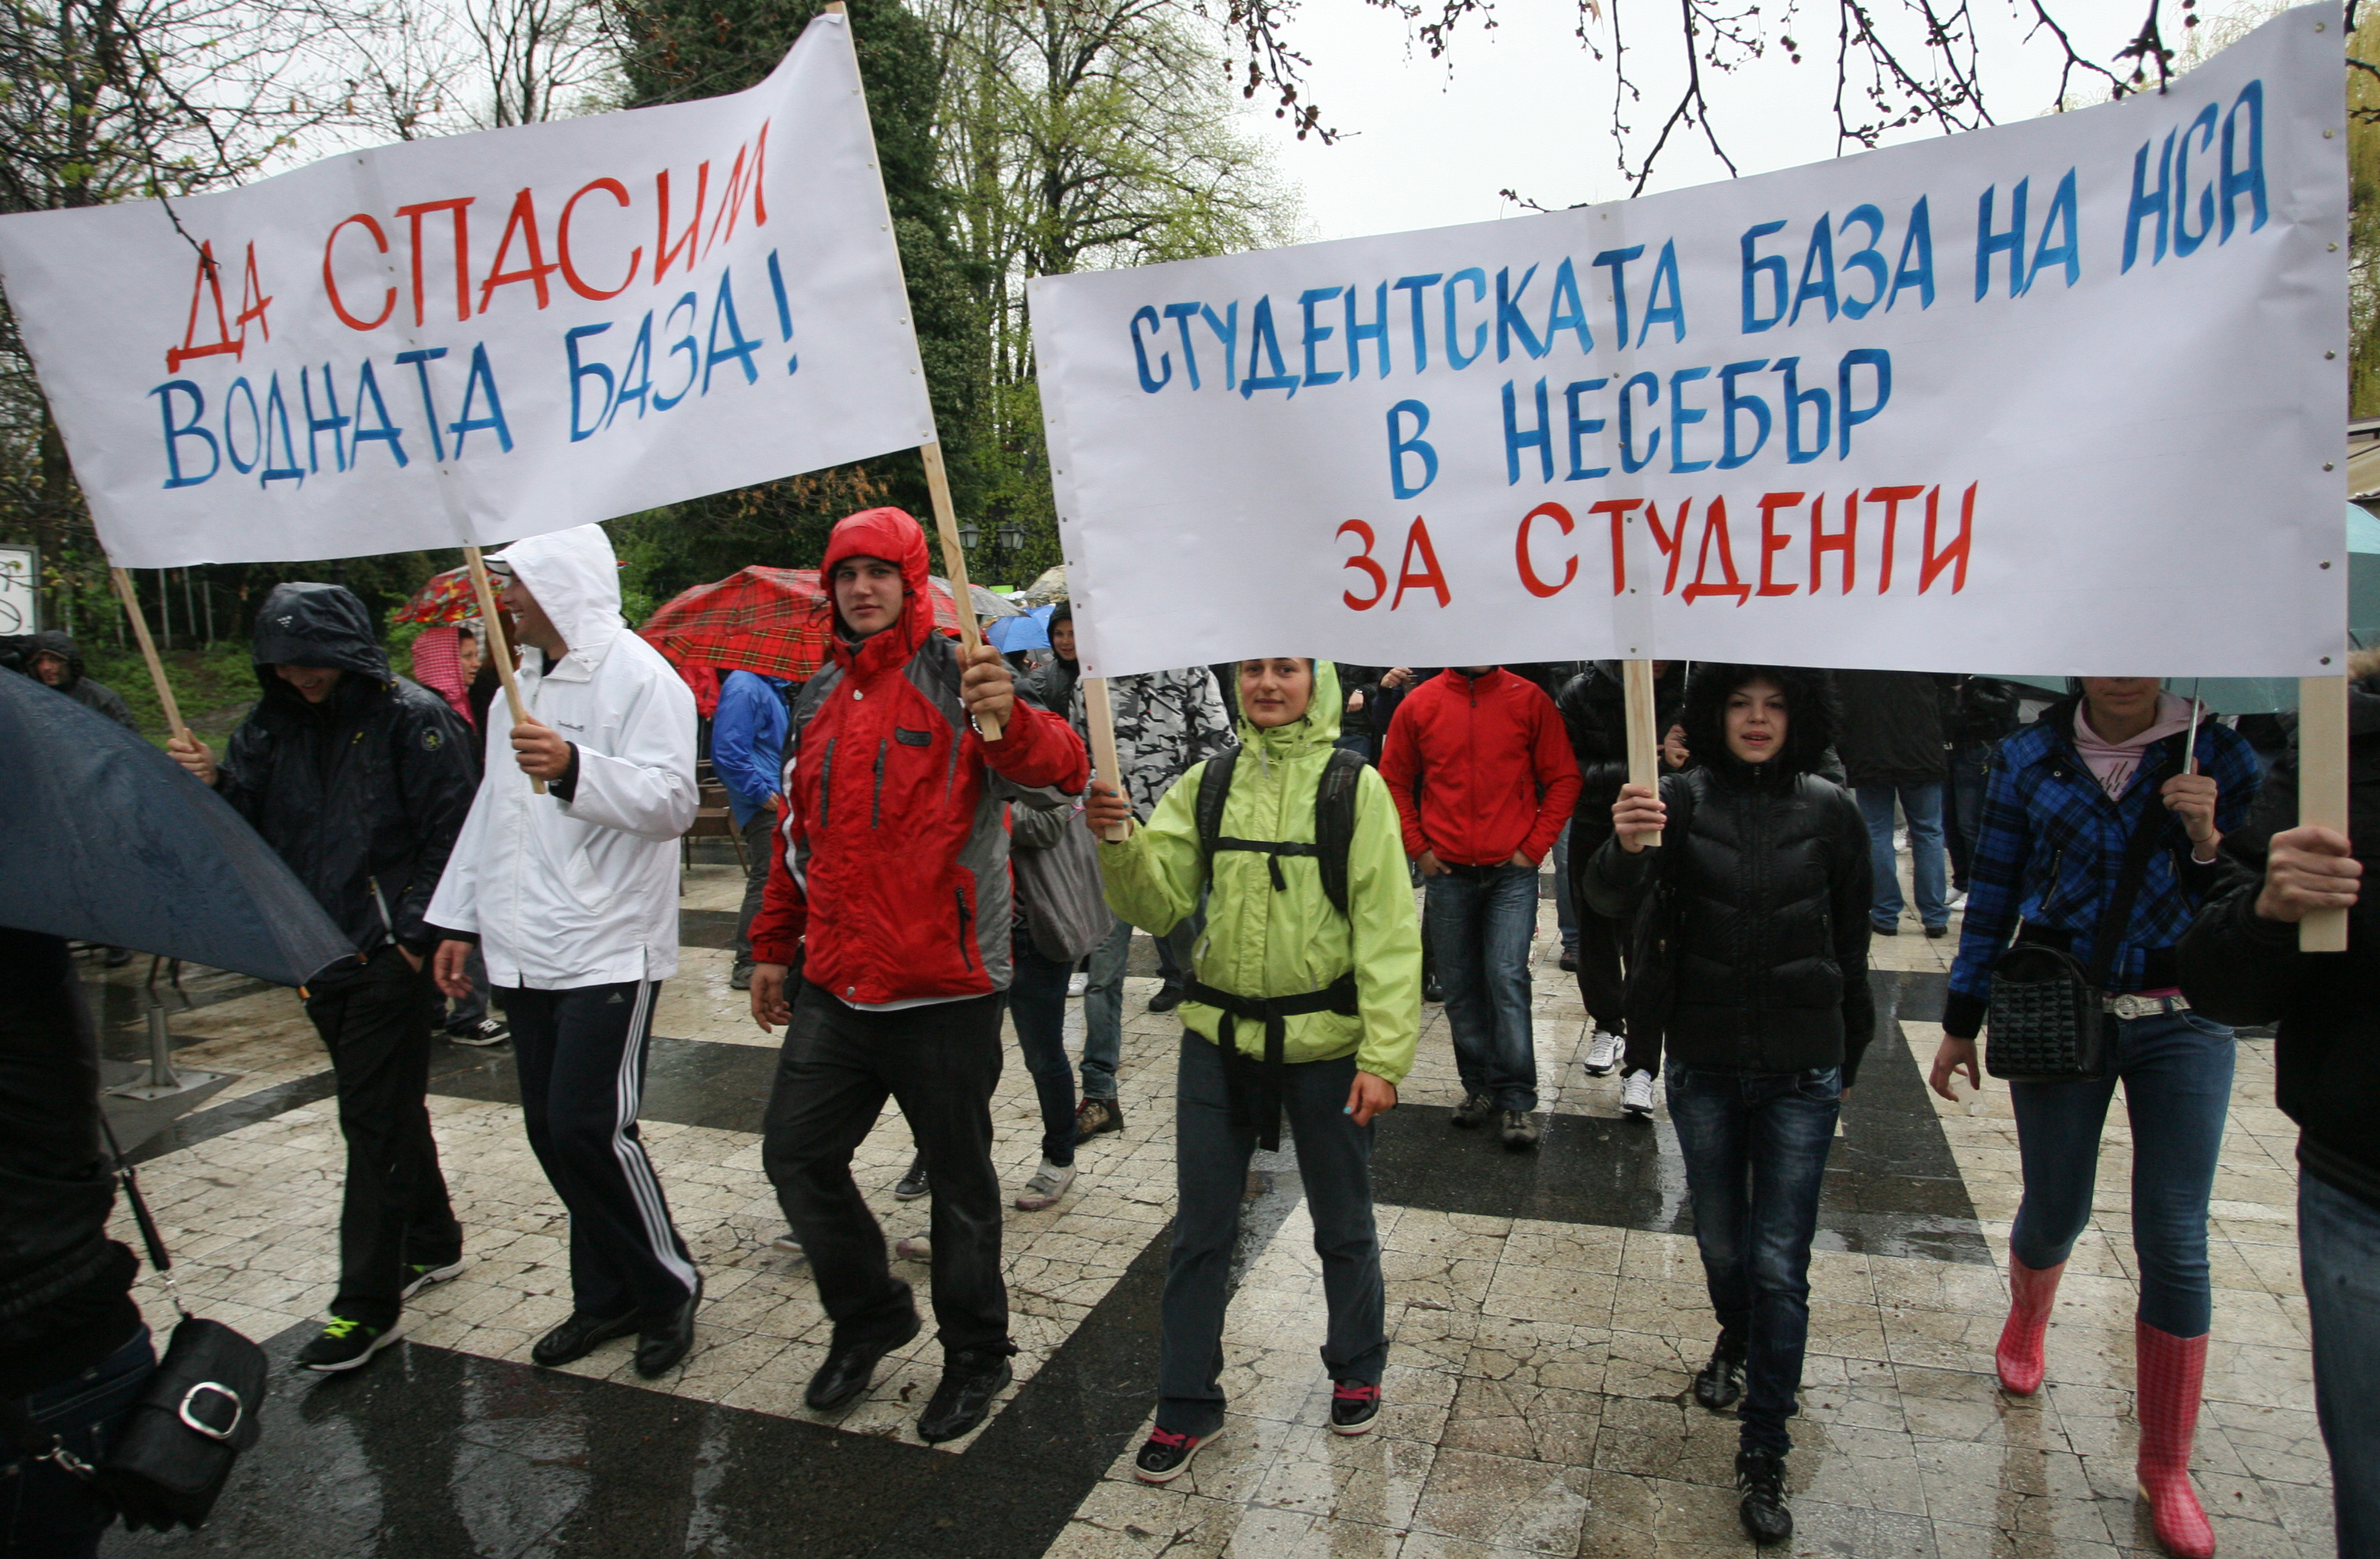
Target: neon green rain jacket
{"x": 1260, "y": 941}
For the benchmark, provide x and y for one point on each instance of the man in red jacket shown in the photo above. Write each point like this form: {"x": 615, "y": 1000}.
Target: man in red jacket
{"x": 888, "y": 908}
{"x": 1484, "y": 780}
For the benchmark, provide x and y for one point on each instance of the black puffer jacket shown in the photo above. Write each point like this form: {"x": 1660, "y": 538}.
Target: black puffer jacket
{"x": 362, "y": 793}
{"x": 78, "y": 685}
{"x": 2238, "y": 967}
{"x": 1892, "y": 727}
{"x": 1752, "y": 954}
{"x": 1978, "y": 709}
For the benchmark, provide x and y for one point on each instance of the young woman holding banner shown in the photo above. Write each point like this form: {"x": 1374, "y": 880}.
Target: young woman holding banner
{"x": 2067, "y": 799}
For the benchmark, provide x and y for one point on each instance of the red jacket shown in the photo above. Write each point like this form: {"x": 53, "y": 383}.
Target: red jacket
{"x": 890, "y": 877}
{"x": 1480, "y": 768}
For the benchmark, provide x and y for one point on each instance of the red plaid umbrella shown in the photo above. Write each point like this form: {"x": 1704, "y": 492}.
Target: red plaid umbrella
{"x": 774, "y": 621}
{"x": 447, "y": 597}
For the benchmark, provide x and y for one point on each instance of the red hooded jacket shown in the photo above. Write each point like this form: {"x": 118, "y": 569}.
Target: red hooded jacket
{"x": 890, "y": 877}
{"x": 1480, "y": 768}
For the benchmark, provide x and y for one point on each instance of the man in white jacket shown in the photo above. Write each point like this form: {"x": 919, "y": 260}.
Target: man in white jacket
{"x": 572, "y": 897}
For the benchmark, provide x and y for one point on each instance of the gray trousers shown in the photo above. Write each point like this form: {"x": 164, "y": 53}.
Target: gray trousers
{"x": 1210, "y": 1171}
{"x": 760, "y": 841}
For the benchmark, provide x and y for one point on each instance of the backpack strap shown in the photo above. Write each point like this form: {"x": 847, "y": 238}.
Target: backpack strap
{"x": 1334, "y": 821}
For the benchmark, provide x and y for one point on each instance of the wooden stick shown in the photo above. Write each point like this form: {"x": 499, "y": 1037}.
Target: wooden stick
{"x": 1101, "y": 712}
{"x": 946, "y": 524}
{"x": 1643, "y": 743}
{"x": 2321, "y": 790}
{"x": 2189, "y": 747}
{"x": 149, "y": 652}
{"x": 497, "y": 649}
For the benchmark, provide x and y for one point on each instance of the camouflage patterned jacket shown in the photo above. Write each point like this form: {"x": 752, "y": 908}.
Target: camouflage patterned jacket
{"x": 1165, "y": 721}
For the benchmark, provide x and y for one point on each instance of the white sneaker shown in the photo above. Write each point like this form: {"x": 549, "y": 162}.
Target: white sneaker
{"x": 1048, "y": 1183}
{"x": 914, "y": 1248}
{"x": 787, "y": 1243}
{"x": 1077, "y": 982}
{"x": 1603, "y": 1053}
{"x": 1958, "y": 900}
{"x": 1636, "y": 1094}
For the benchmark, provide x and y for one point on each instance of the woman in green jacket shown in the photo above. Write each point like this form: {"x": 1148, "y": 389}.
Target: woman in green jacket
{"x": 1306, "y": 999}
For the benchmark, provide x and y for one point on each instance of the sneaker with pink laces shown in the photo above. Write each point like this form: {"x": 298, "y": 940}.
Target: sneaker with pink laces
{"x": 1354, "y": 1407}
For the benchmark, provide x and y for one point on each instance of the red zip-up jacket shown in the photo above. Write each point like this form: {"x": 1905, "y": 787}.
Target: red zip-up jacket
{"x": 1481, "y": 767}
{"x": 891, "y": 881}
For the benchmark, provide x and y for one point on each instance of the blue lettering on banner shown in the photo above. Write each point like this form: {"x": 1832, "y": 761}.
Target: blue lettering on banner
{"x": 1509, "y": 321}
{"x": 1149, "y": 384}
{"x": 1181, "y": 314}
{"x": 1758, "y": 267}
{"x": 1401, "y": 444}
{"x": 1261, "y": 338}
{"x": 1456, "y": 357}
{"x": 1314, "y": 335}
{"x": 1515, "y": 440}
{"x": 1629, "y": 461}
{"x": 1582, "y": 426}
{"x": 494, "y": 420}
{"x": 1359, "y": 332}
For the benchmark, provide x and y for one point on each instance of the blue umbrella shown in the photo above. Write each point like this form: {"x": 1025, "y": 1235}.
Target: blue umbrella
{"x": 1030, "y": 631}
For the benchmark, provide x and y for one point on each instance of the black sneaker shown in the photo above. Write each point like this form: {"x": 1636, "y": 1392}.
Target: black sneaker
{"x": 1568, "y": 963}
{"x": 970, "y": 1380}
{"x": 347, "y": 1344}
{"x": 1354, "y": 1408}
{"x": 1166, "y": 1455}
{"x": 1474, "y": 1109}
{"x": 913, "y": 1184}
{"x": 1760, "y": 1475}
{"x": 1095, "y": 1116}
{"x": 1880, "y": 929}
{"x": 487, "y": 1031}
{"x": 1432, "y": 991}
{"x": 1719, "y": 1385}
{"x": 1937, "y": 933}
{"x": 1520, "y": 1129}
{"x": 580, "y": 1335}
{"x": 419, "y": 1275}
{"x": 1167, "y": 997}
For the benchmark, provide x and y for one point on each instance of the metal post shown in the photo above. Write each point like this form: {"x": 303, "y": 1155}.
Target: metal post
{"x": 163, "y": 1082}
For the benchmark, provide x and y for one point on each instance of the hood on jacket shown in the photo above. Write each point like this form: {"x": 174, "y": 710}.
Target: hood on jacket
{"x": 1316, "y": 728}
{"x": 315, "y": 624}
{"x": 575, "y": 577}
{"x": 50, "y": 641}
{"x": 1063, "y": 612}
{"x": 1810, "y": 717}
{"x": 896, "y": 537}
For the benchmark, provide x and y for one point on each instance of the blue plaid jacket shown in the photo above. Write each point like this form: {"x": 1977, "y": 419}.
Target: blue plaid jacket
{"x": 2051, "y": 844}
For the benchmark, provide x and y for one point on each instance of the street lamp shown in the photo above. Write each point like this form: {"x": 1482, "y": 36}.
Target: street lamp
{"x": 969, "y": 535}
{"x": 1012, "y": 537}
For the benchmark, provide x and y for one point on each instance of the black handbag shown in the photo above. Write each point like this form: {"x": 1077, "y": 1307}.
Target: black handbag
{"x": 2046, "y": 1020}
{"x": 173, "y": 1451}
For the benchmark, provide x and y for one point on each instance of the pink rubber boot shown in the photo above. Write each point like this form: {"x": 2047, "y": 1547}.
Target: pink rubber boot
{"x": 2032, "y": 1290}
{"x": 2172, "y": 1370}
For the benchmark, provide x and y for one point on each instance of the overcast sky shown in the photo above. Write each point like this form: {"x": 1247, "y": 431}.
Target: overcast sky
{"x": 1526, "y": 107}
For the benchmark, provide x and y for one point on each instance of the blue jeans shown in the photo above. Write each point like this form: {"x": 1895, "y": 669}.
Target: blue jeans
{"x": 46, "y": 1513}
{"x": 1480, "y": 922}
{"x": 1755, "y": 1149}
{"x": 1210, "y": 1173}
{"x": 1037, "y": 1000}
{"x": 1103, "y": 1012}
{"x": 2338, "y": 1244}
{"x": 1963, "y": 804}
{"x": 1923, "y": 803}
{"x": 2176, "y": 1075}
{"x": 1565, "y": 907}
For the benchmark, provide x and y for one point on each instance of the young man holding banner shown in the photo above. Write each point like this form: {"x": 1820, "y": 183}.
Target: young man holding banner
{"x": 884, "y": 946}
{"x": 572, "y": 897}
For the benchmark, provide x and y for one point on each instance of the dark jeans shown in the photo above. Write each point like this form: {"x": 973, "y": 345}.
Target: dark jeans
{"x": 1755, "y": 1149}
{"x": 838, "y": 1066}
{"x": 46, "y": 1513}
{"x": 1037, "y": 1000}
{"x": 2176, "y": 1075}
{"x": 1922, "y": 804}
{"x": 1963, "y": 804}
{"x": 2338, "y": 1244}
{"x": 1565, "y": 904}
{"x": 1103, "y": 1012}
{"x": 760, "y": 833}
{"x": 1480, "y": 921}
{"x": 375, "y": 1020}
{"x": 1210, "y": 1176}
{"x": 580, "y": 1055}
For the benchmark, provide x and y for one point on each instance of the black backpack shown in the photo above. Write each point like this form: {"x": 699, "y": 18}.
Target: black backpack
{"x": 1334, "y": 821}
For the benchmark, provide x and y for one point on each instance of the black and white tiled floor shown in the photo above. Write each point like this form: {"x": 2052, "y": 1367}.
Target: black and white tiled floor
{"x": 1547, "y": 1312}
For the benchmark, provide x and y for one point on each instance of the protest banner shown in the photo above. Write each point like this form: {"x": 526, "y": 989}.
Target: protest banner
{"x": 481, "y": 337}
{"x": 2071, "y": 390}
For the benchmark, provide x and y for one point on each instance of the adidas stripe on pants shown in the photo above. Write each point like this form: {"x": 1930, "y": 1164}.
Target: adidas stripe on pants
{"x": 580, "y": 1055}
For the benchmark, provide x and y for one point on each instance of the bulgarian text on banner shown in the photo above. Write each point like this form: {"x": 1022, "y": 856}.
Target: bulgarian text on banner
{"x": 2070, "y": 393}
{"x": 482, "y": 337}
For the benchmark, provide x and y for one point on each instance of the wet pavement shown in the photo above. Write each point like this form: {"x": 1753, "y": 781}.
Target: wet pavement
{"x": 1545, "y": 1311}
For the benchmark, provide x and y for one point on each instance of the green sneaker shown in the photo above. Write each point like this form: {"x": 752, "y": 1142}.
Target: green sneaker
{"x": 347, "y": 1344}
{"x": 419, "y": 1275}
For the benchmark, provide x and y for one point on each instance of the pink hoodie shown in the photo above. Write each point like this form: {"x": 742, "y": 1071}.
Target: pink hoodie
{"x": 2112, "y": 762}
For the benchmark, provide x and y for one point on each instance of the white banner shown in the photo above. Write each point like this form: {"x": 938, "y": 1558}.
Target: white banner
{"x": 2069, "y": 394}
{"x": 483, "y": 337}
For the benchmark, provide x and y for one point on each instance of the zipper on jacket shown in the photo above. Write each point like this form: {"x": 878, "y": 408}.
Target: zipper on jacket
{"x": 876, "y": 808}
{"x": 826, "y": 782}
{"x": 965, "y": 961}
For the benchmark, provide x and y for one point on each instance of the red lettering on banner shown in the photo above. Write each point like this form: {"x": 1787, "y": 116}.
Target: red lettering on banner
{"x": 458, "y": 207}
{"x": 1362, "y": 563}
{"x": 1891, "y": 498}
{"x": 523, "y": 220}
{"x": 1671, "y": 542}
{"x": 1617, "y": 509}
{"x": 732, "y": 200}
{"x": 1823, "y": 540}
{"x": 331, "y": 281}
{"x": 253, "y": 300}
{"x": 1933, "y": 562}
{"x": 665, "y": 252}
{"x": 1431, "y": 574}
{"x": 1771, "y": 544}
{"x": 619, "y": 192}
{"x": 1714, "y": 527}
{"x": 1529, "y": 578}
{"x": 207, "y": 284}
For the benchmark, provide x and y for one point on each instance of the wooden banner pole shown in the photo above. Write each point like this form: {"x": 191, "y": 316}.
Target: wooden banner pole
{"x": 500, "y": 652}
{"x": 1643, "y": 742}
{"x": 1101, "y": 712}
{"x": 946, "y": 525}
{"x": 2322, "y": 789}
{"x": 149, "y": 652}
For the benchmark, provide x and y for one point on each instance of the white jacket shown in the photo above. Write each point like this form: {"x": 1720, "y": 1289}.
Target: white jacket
{"x": 583, "y": 891}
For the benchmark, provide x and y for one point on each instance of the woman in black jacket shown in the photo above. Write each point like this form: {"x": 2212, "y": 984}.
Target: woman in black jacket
{"x": 1751, "y": 967}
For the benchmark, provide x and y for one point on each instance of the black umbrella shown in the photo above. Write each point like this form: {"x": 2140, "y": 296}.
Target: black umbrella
{"x": 105, "y": 840}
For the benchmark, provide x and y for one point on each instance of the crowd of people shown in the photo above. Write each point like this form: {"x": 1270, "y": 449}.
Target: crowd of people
{"x": 932, "y": 851}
